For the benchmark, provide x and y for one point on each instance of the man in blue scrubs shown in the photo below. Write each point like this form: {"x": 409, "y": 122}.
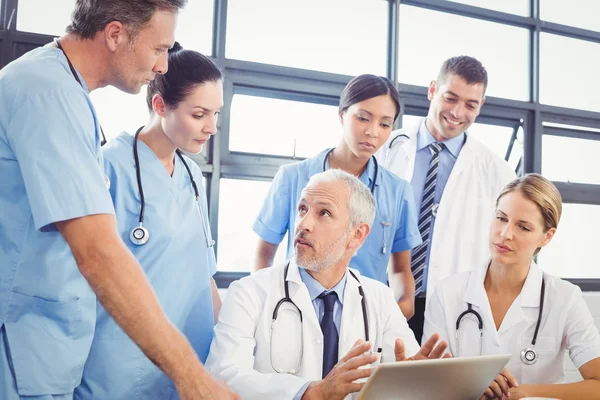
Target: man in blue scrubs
{"x": 59, "y": 246}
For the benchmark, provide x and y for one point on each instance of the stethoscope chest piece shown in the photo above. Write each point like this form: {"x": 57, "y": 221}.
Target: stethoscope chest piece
{"x": 139, "y": 235}
{"x": 528, "y": 356}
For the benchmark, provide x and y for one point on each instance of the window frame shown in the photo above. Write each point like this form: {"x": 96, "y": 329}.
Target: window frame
{"x": 294, "y": 83}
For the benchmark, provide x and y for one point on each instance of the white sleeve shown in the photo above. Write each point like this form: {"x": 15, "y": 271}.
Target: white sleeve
{"x": 581, "y": 337}
{"x": 395, "y": 327}
{"x": 231, "y": 356}
{"x": 505, "y": 175}
{"x": 435, "y": 319}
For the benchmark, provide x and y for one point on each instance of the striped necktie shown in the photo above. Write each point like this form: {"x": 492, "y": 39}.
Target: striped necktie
{"x": 419, "y": 254}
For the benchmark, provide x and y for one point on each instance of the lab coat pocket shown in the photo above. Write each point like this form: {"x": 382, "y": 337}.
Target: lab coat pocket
{"x": 48, "y": 342}
{"x": 546, "y": 352}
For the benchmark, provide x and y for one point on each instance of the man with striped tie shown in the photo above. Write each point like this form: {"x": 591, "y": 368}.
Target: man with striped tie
{"x": 455, "y": 179}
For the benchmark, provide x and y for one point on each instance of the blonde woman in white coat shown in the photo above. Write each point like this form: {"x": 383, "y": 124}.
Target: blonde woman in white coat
{"x": 522, "y": 310}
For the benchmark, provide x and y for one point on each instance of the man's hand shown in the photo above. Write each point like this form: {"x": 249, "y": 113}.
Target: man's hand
{"x": 431, "y": 350}
{"x": 500, "y": 387}
{"x": 339, "y": 383}
{"x": 206, "y": 388}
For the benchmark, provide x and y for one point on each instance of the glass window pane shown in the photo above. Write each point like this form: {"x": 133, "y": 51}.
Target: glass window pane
{"x": 195, "y": 26}
{"x": 43, "y": 16}
{"x": 572, "y": 253}
{"x": 428, "y": 38}
{"x": 565, "y": 82}
{"x": 579, "y": 13}
{"x": 237, "y": 240}
{"x": 119, "y": 111}
{"x": 566, "y": 159}
{"x": 292, "y": 128}
{"x": 519, "y": 7}
{"x": 496, "y": 138}
{"x": 310, "y": 34}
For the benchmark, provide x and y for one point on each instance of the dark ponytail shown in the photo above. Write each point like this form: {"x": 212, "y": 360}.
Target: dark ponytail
{"x": 365, "y": 87}
{"x": 187, "y": 69}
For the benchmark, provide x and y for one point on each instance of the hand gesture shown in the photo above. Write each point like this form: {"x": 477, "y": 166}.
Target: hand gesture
{"x": 430, "y": 350}
{"x": 339, "y": 382}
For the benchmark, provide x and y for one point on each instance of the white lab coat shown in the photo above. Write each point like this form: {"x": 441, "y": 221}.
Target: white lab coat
{"x": 566, "y": 325}
{"x": 462, "y": 226}
{"x": 240, "y": 353}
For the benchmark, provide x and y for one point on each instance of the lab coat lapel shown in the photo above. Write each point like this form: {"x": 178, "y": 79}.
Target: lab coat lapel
{"x": 475, "y": 295}
{"x": 352, "y": 326}
{"x": 528, "y": 298}
{"x": 300, "y": 296}
{"x": 464, "y": 160}
{"x": 409, "y": 147}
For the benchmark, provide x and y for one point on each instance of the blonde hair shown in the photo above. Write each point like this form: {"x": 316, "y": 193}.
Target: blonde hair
{"x": 542, "y": 192}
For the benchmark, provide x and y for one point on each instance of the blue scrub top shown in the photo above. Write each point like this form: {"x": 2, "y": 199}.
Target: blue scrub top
{"x": 395, "y": 206}
{"x": 50, "y": 162}
{"x": 176, "y": 260}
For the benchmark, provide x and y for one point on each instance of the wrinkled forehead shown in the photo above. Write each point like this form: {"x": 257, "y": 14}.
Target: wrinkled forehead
{"x": 334, "y": 193}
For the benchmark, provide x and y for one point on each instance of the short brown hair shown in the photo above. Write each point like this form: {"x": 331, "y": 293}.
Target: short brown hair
{"x": 91, "y": 16}
{"x": 468, "y": 68}
{"x": 542, "y": 192}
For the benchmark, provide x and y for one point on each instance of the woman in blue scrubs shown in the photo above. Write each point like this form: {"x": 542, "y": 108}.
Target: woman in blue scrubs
{"x": 161, "y": 211}
{"x": 369, "y": 105}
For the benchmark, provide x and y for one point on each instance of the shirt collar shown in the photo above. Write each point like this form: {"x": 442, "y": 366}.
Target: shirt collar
{"x": 366, "y": 177}
{"x": 529, "y": 296}
{"x": 531, "y": 291}
{"x": 315, "y": 288}
{"x": 425, "y": 138}
{"x": 65, "y": 61}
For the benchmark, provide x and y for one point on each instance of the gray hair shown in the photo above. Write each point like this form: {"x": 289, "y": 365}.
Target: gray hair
{"x": 361, "y": 204}
{"x": 91, "y": 16}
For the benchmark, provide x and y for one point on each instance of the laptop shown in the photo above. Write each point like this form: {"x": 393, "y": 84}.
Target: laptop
{"x": 462, "y": 378}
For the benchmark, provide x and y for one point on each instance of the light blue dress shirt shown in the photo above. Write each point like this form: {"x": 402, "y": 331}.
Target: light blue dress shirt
{"x": 314, "y": 290}
{"x": 51, "y": 171}
{"x": 394, "y": 229}
{"x": 176, "y": 259}
{"x": 447, "y": 160}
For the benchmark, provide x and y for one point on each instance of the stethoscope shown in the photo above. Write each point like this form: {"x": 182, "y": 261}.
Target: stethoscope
{"x": 57, "y": 43}
{"x": 402, "y": 136}
{"x": 528, "y": 354}
{"x": 287, "y": 299}
{"x": 374, "y": 175}
{"x": 384, "y": 224}
{"x": 140, "y": 235}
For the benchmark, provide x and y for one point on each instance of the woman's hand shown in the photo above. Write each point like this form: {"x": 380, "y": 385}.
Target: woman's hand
{"x": 501, "y": 387}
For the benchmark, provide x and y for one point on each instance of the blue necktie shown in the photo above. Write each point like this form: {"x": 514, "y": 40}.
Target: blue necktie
{"x": 330, "y": 333}
{"x": 419, "y": 253}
